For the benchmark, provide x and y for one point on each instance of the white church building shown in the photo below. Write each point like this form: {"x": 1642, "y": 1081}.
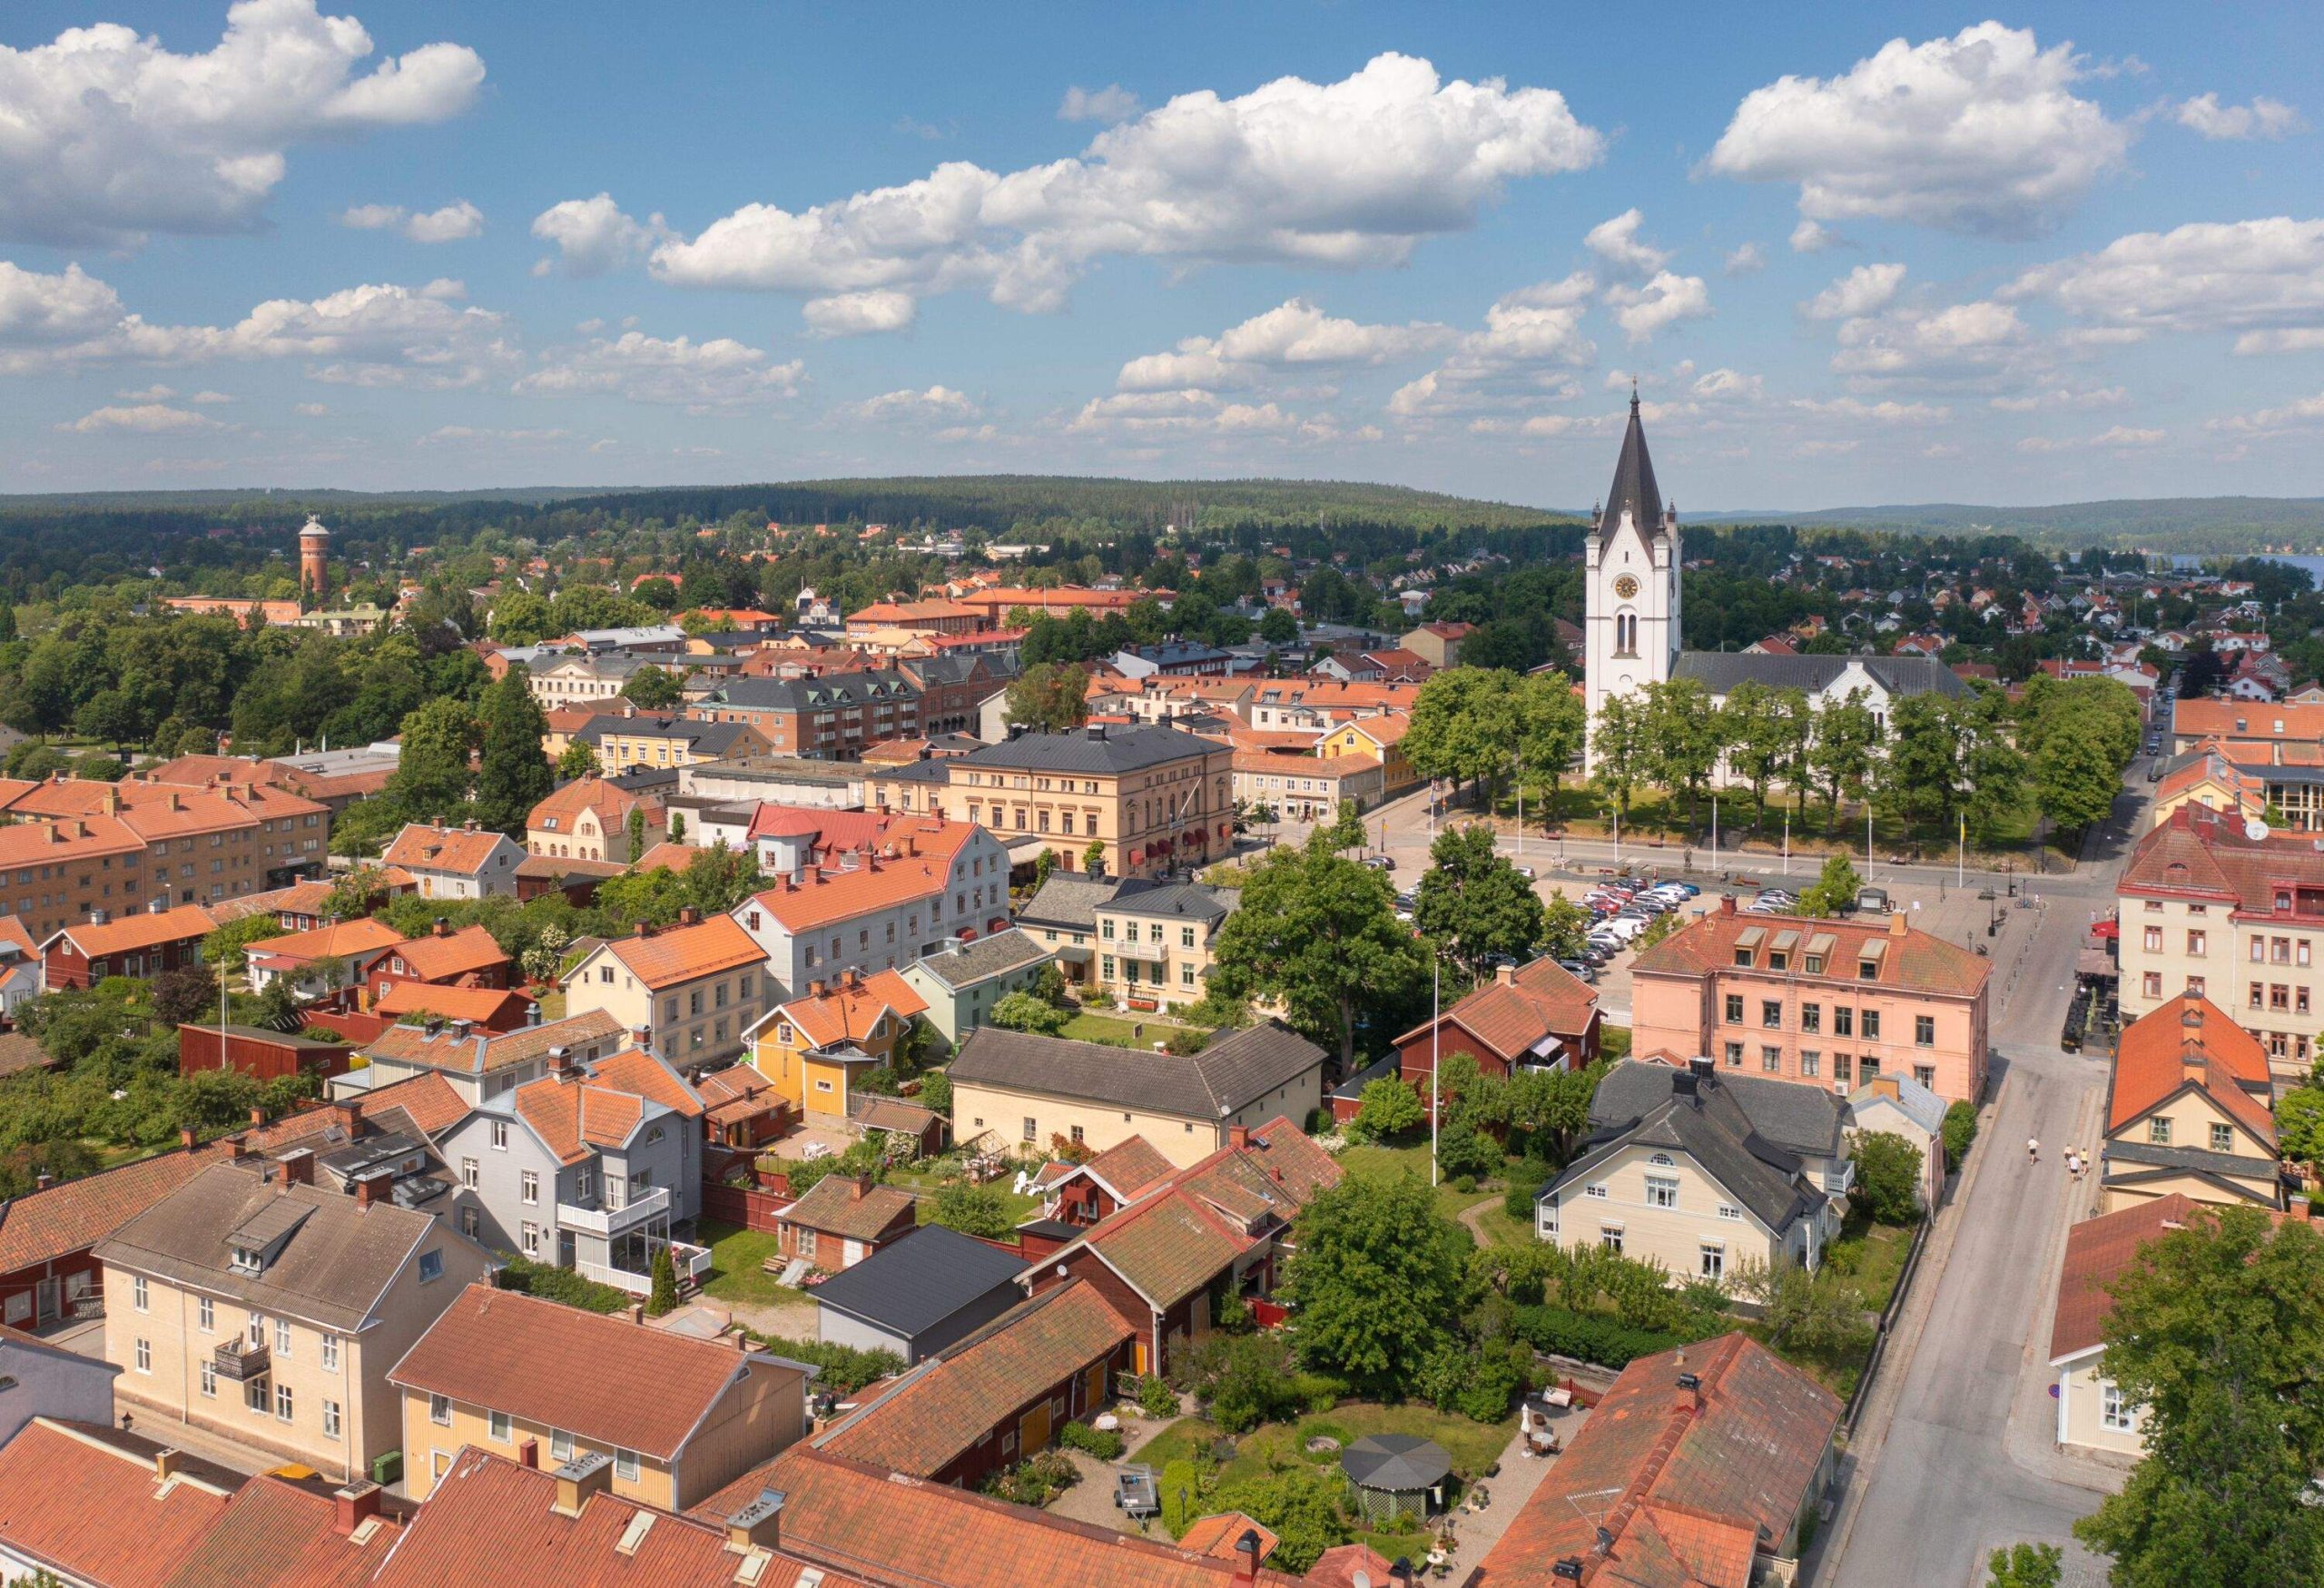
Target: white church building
{"x": 1633, "y": 564}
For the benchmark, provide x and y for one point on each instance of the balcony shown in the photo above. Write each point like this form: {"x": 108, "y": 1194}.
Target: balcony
{"x": 240, "y": 1361}
{"x": 593, "y": 1214}
{"x": 691, "y": 1262}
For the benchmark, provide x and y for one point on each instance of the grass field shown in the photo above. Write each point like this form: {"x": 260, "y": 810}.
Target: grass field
{"x": 1473, "y": 1446}
{"x": 1116, "y": 1031}
{"x": 1375, "y": 1161}
{"x": 737, "y": 1256}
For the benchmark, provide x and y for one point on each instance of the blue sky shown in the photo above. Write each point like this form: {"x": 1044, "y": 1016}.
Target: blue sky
{"x": 1852, "y": 255}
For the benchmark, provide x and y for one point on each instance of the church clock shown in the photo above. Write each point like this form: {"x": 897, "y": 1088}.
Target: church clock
{"x": 1626, "y": 587}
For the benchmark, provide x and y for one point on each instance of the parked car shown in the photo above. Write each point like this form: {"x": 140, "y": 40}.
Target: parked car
{"x": 1580, "y": 969}
{"x": 1526, "y": 872}
{"x": 1380, "y": 863}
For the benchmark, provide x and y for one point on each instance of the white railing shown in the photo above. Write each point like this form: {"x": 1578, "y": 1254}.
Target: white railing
{"x": 691, "y": 1262}
{"x": 593, "y": 1216}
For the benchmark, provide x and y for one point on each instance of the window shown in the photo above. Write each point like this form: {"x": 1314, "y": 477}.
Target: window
{"x": 560, "y": 1446}
{"x": 209, "y": 1378}
{"x": 1598, "y": 1191}
{"x": 431, "y": 1265}
{"x": 499, "y": 1135}
{"x": 497, "y": 1425}
{"x": 1032, "y": 1132}
{"x": 1811, "y": 1017}
{"x": 206, "y": 1312}
{"x": 137, "y": 1293}
{"x": 2153, "y": 941}
{"x": 1925, "y": 1031}
{"x": 1714, "y": 1261}
{"x": 1871, "y": 1025}
{"x": 1777, "y": 959}
{"x": 1729, "y": 1210}
{"x": 1811, "y": 1063}
{"x": 532, "y": 1238}
{"x": 1842, "y": 1067}
{"x": 439, "y": 1410}
{"x": 2113, "y": 1411}
{"x": 1771, "y": 1013}
{"x": 626, "y": 1464}
{"x": 331, "y": 1352}
{"x": 1609, "y": 1235}
{"x": 2196, "y": 942}
{"x": 530, "y": 1188}
{"x": 1735, "y": 1055}
{"x": 282, "y": 1338}
{"x": 282, "y": 1404}
{"x": 330, "y": 1419}
{"x": 1771, "y": 1060}
{"x": 256, "y": 1331}
{"x": 2259, "y": 990}
{"x": 144, "y": 1355}
{"x": 1843, "y": 1020}
{"x": 1661, "y": 1192}
{"x": 254, "y": 1393}
{"x": 2258, "y": 950}
{"x": 1077, "y": 1135}
{"x": 2158, "y": 1129}
{"x": 469, "y": 1175}
{"x": 1734, "y": 1009}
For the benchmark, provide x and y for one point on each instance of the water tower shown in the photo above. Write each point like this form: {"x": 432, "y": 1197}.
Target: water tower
{"x": 314, "y": 558}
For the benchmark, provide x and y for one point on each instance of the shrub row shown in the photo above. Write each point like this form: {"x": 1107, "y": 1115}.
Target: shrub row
{"x": 1588, "y": 1338}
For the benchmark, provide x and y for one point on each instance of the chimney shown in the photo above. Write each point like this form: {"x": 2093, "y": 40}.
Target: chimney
{"x": 857, "y": 1184}
{"x": 347, "y": 1117}
{"x": 560, "y": 1063}
{"x": 757, "y": 1526}
{"x": 855, "y": 976}
{"x": 440, "y": 927}
{"x": 186, "y": 1138}
{"x": 815, "y": 987}
{"x": 646, "y": 928}
{"x": 741, "y": 1342}
{"x": 528, "y": 1454}
{"x": 1897, "y": 925}
{"x": 580, "y": 1478}
{"x": 1684, "y": 1083}
{"x": 42, "y": 1181}
{"x": 1505, "y": 974}
{"x": 1568, "y": 1570}
{"x": 1238, "y": 1137}
{"x": 1246, "y": 1556}
{"x": 688, "y": 915}
{"x": 1690, "y": 1396}
{"x": 258, "y": 1117}
{"x": 1725, "y": 907}
{"x": 166, "y": 1462}
{"x": 370, "y": 1188}
{"x": 637, "y": 1313}
{"x": 460, "y": 1031}
{"x": 641, "y": 1039}
{"x": 297, "y": 1166}
{"x": 353, "y": 1505}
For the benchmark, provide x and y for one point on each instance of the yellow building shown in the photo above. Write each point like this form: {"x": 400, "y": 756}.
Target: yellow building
{"x": 1153, "y": 799}
{"x": 1379, "y": 739}
{"x": 2188, "y": 1110}
{"x": 679, "y": 1416}
{"x": 1153, "y": 943}
{"x": 694, "y": 988}
{"x": 812, "y": 1048}
{"x": 267, "y": 1310}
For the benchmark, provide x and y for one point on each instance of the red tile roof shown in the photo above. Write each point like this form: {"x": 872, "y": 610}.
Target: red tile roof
{"x": 833, "y": 1206}
{"x": 609, "y": 1380}
{"x": 130, "y": 935}
{"x": 1512, "y": 1018}
{"x": 938, "y": 1411}
{"x": 341, "y": 940}
{"x": 480, "y": 1005}
{"x": 633, "y": 1070}
{"x": 590, "y": 793}
{"x": 1688, "y": 1485}
{"x": 420, "y": 847}
{"x": 278, "y": 1534}
{"x": 452, "y": 955}
{"x": 76, "y": 1215}
{"x": 571, "y": 1117}
{"x": 848, "y": 1011}
{"x": 2158, "y": 1052}
{"x": 2099, "y": 1251}
{"x": 1913, "y": 959}
{"x": 676, "y": 954}
{"x": 84, "y": 1502}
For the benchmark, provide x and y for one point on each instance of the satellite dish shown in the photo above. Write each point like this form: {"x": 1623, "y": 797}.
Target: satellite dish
{"x": 2255, "y": 829}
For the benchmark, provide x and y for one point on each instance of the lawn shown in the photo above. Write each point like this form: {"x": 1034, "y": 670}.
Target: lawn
{"x": 1379, "y": 1161}
{"x": 1879, "y": 1253}
{"x": 736, "y": 1255}
{"x": 1116, "y": 1031}
{"x": 552, "y": 1005}
{"x": 1474, "y": 1446}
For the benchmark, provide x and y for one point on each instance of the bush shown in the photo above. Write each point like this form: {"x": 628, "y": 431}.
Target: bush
{"x": 1466, "y": 1152}
{"x": 1387, "y": 1109}
{"x": 936, "y": 1093}
{"x": 1181, "y": 1496}
{"x": 1318, "y": 1392}
{"x": 1186, "y": 1041}
{"x": 554, "y": 1284}
{"x": 1035, "y": 1481}
{"x": 845, "y": 1369}
{"x": 1525, "y": 1182}
{"x": 974, "y": 1210}
{"x": 1104, "y": 1444}
{"x": 1888, "y": 1173}
{"x": 1156, "y": 1398}
{"x": 1022, "y": 1012}
{"x": 1587, "y": 1337}
{"x": 1465, "y": 1184}
{"x": 1960, "y": 1130}
{"x": 1240, "y": 1380}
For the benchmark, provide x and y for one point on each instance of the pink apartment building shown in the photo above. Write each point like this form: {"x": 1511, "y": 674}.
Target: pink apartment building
{"x": 1822, "y": 1002}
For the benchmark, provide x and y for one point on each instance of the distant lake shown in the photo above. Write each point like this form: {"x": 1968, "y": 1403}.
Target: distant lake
{"x": 2314, "y": 566}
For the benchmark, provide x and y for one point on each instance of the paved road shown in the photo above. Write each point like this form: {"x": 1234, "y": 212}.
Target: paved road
{"x": 1940, "y": 1476}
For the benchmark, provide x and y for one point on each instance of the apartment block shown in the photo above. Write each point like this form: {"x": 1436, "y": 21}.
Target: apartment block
{"x": 1152, "y": 798}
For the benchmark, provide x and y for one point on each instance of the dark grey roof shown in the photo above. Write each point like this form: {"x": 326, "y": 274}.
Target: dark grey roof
{"x": 829, "y": 692}
{"x": 2148, "y": 1155}
{"x": 1221, "y": 1080}
{"x": 1395, "y": 1463}
{"x": 1711, "y": 1129}
{"x": 1721, "y": 671}
{"x": 706, "y": 738}
{"x": 984, "y": 959}
{"x": 1095, "y": 749}
{"x": 930, "y": 770}
{"x": 914, "y": 1285}
{"x": 1184, "y": 901}
{"x": 1634, "y": 488}
{"x": 1070, "y": 900}
{"x": 1805, "y": 1120}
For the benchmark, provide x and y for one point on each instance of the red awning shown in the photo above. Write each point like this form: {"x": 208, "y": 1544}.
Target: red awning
{"x": 2107, "y": 929}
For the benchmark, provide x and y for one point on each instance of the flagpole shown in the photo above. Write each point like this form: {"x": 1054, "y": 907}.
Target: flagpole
{"x": 1435, "y": 1036}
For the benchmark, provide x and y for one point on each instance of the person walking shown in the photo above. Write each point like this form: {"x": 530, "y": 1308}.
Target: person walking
{"x": 2032, "y": 1151}
{"x": 2074, "y": 1165}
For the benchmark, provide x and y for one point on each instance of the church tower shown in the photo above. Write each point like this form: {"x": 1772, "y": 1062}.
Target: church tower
{"x": 1631, "y": 560}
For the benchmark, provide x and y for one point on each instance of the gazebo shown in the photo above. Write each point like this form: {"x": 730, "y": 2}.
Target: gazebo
{"x": 1392, "y": 1476}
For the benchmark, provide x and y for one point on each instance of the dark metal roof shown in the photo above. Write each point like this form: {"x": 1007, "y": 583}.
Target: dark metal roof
{"x": 1712, "y": 1129}
{"x": 826, "y": 691}
{"x": 1118, "y": 750}
{"x": 1395, "y": 1463}
{"x": 1070, "y": 900}
{"x": 1633, "y": 489}
{"x": 1721, "y": 671}
{"x": 1802, "y": 1119}
{"x": 910, "y": 1287}
{"x": 1224, "y": 1078}
{"x": 984, "y": 959}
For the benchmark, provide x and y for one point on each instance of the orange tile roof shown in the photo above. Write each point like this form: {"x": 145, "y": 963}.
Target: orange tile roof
{"x": 669, "y": 854}
{"x": 166, "y": 810}
{"x": 2098, "y": 1251}
{"x": 1219, "y": 1535}
{"x": 1913, "y": 960}
{"x": 2249, "y": 720}
{"x": 31, "y": 843}
{"x": 479, "y": 1005}
{"x": 591, "y": 794}
{"x": 832, "y": 1206}
{"x": 1129, "y": 1167}
{"x": 1687, "y": 1487}
{"x": 424, "y": 1102}
{"x": 936, "y": 1414}
{"x": 847, "y": 1012}
{"x": 600, "y": 1377}
{"x": 83, "y": 1502}
{"x": 685, "y": 954}
{"x": 482, "y": 1052}
{"x": 633, "y": 1070}
{"x": 278, "y": 1534}
{"x": 341, "y": 940}
{"x": 452, "y": 955}
{"x": 419, "y": 847}
{"x": 489, "y": 1522}
{"x": 75, "y": 1215}
{"x": 924, "y": 871}
{"x": 127, "y": 934}
{"x": 2156, "y": 1053}
{"x": 1540, "y": 999}
{"x": 571, "y": 1117}
{"x": 1325, "y": 766}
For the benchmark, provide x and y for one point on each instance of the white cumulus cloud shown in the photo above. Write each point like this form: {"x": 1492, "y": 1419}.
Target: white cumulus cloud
{"x": 699, "y": 375}
{"x": 1862, "y": 291}
{"x": 1748, "y": 259}
{"x": 1530, "y": 342}
{"x": 1663, "y": 302}
{"x": 1979, "y": 133}
{"x": 2121, "y": 438}
{"x": 455, "y": 220}
{"x": 592, "y": 235}
{"x": 145, "y": 418}
{"x": 937, "y": 402}
{"x": 1292, "y": 334}
{"x": 859, "y": 314}
{"x": 2262, "y": 118}
{"x": 2261, "y": 279}
{"x": 1959, "y": 340}
{"x": 1617, "y": 242}
{"x": 110, "y": 136}
{"x": 1113, "y": 102}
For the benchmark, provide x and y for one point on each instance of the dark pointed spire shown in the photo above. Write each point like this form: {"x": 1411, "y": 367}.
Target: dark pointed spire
{"x": 1634, "y": 486}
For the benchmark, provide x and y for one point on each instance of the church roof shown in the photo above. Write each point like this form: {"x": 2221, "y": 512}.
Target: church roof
{"x": 1634, "y": 488}
{"x": 1721, "y": 671}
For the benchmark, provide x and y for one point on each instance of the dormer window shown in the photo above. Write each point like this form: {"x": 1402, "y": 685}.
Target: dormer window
{"x": 1743, "y": 958}
{"x": 246, "y": 1259}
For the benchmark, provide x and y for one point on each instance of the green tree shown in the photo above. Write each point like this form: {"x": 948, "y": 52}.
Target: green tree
{"x": 1051, "y": 697}
{"x": 973, "y": 1209}
{"x": 430, "y": 782}
{"x": 1342, "y": 833}
{"x": 227, "y": 947}
{"x": 1565, "y": 927}
{"x": 936, "y": 1090}
{"x": 1378, "y": 1274}
{"x": 1888, "y": 1175}
{"x": 2075, "y": 775}
{"x": 1960, "y": 1130}
{"x": 1847, "y": 734}
{"x": 1550, "y": 722}
{"x": 1300, "y": 1504}
{"x": 1093, "y": 859}
{"x": 1684, "y": 737}
{"x": 1818, "y": 1312}
{"x": 1387, "y": 1106}
{"x": 1619, "y": 750}
{"x": 1279, "y": 627}
{"x": 579, "y": 760}
{"x": 1834, "y": 890}
{"x": 1320, "y": 932}
{"x": 1472, "y": 903}
{"x": 1920, "y": 775}
{"x": 2300, "y": 1124}
{"x": 1463, "y": 727}
{"x": 512, "y": 774}
{"x": 1023, "y": 1011}
{"x": 2025, "y": 1565}
{"x": 190, "y": 993}
{"x": 519, "y": 617}
{"x": 664, "y": 1296}
{"x": 1759, "y": 738}
{"x": 1993, "y": 767}
{"x": 651, "y": 688}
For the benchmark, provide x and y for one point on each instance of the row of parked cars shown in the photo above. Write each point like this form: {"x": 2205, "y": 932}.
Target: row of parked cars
{"x": 1622, "y": 909}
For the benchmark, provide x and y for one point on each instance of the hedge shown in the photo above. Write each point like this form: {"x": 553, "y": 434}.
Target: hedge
{"x": 1588, "y": 1338}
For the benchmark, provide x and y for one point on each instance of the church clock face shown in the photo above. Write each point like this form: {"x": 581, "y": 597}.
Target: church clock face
{"x": 1626, "y": 587}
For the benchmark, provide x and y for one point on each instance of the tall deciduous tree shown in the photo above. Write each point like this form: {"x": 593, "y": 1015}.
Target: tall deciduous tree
{"x": 1053, "y": 697}
{"x": 1378, "y": 1276}
{"x": 513, "y": 773}
{"x": 1759, "y": 737}
{"x": 1847, "y": 734}
{"x": 1618, "y": 743}
{"x": 1472, "y": 903}
{"x": 1684, "y": 736}
{"x": 1463, "y": 727}
{"x": 1552, "y": 721}
{"x": 432, "y": 778}
{"x": 651, "y": 688}
{"x": 1319, "y": 931}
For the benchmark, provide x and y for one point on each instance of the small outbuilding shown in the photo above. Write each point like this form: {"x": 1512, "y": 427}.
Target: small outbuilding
{"x": 1392, "y": 1475}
